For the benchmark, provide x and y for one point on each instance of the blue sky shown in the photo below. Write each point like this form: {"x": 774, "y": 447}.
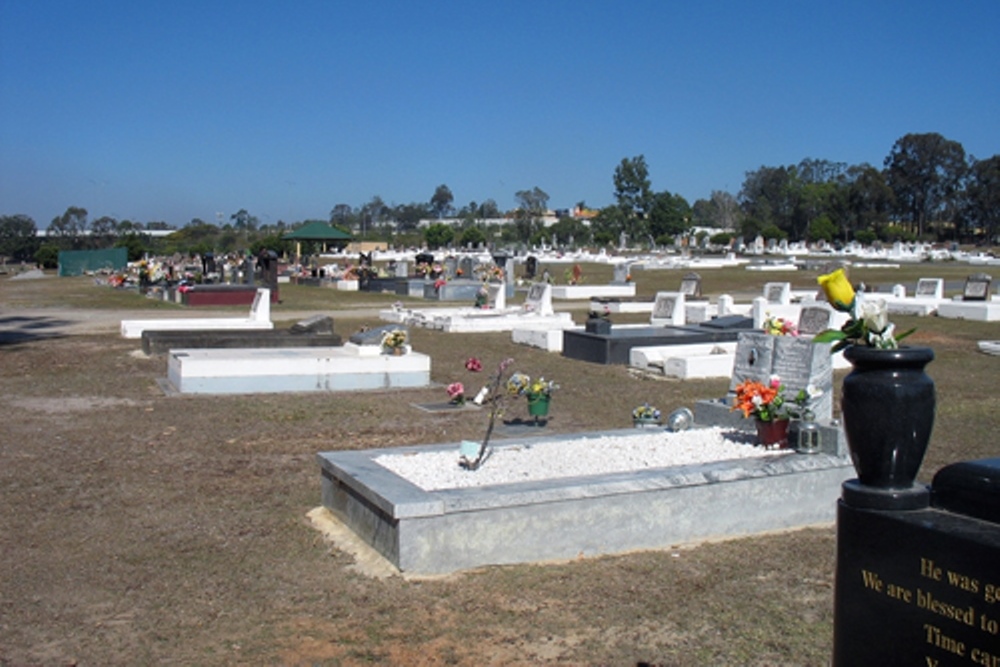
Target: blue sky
{"x": 195, "y": 109}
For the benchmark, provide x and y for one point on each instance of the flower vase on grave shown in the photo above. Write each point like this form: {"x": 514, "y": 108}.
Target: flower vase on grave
{"x": 538, "y": 404}
{"x": 888, "y": 412}
{"x": 773, "y": 434}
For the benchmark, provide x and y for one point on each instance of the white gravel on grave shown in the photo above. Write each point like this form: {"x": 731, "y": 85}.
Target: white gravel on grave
{"x": 556, "y": 459}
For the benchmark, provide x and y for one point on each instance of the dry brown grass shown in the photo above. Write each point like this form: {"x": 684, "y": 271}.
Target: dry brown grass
{"x": 137, "y": 528}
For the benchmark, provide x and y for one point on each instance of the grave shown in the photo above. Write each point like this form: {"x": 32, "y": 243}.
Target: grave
{"x": 425, "y": 531}
{"x": 620, "y": 286}
{"x": 258, "y": 318}
{"x": 928, "y": 297}
{"x": 975, "y": 303}
{"x": 442, "y": 531}
{"x": 316, "y": 331}
{"x": 926, "y": 577}
{"x": 716, "y": 360}
{"x": 536, "y": 312}
{"x": 357, "y": 365}
{"x": 614, "y": 347}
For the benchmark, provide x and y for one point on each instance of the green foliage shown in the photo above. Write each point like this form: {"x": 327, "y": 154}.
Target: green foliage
{"x": 721, "y": 238}
{"x": 133, "y": 243}
{"x": 822, "y": 229}
{"x": 438, "y": 235}
{"x": 865, "y": 236}
{"x": 48, "y": 255}
{"x": 472, "y": 235}
{"x": 18, "y": 237}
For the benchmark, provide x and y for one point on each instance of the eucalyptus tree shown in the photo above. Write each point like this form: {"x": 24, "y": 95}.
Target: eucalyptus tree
{"x": 441, "y": 201}
{"x": 18, "y": 237}
{"x": 982, "y": 202}
{"x": 67, "y": 230}
{"x": 531, "y": 207}
{"x": 925, "y": 172}
{"x": 634, "y": 195}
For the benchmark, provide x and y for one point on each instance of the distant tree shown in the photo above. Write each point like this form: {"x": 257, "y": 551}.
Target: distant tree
{"x": 441, "y": 201}
{"x": 343, "y": 216}
{"x": 531, "y": 207}
{"x": 47, "y": 255}
{"x": 634, "y": 194}
{"x": 18, "y": 237}
{"x": 408, "y": 216}
{"x": 243, "y": 221}
{"x": 489, "y": 210}
{"x": 822, "y": 229}
{"x": 925, "y": 172}
{"x": 67, "y": 230}
{"x": 669, "y": 215}
{"x": 372, "y": 214}
{"x": 103, "y": 232}
{"x": 473, "y": 236}
{"x": 438, "y": 235}
{"x": 869, "y": 201}
{"x": 983, "y": 198}
{"x": 768, "y": 199}
{"x": 134, "y": 245}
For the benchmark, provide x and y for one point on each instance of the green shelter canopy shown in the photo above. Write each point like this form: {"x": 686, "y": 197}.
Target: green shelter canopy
{"x": 318, "y": 231}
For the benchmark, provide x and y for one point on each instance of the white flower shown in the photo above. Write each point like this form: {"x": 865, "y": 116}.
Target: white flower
{"x": 813, "y": 392}
{"x": 875, "y": 315}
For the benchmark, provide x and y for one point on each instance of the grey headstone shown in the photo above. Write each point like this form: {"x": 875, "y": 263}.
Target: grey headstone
{"x": 977, "y": 287}
{"x": 691, "y": 285}
{"x": 814, "y": 319}
{"x": 929, "y": 287}
{"x": 450, "y": 267}
{"x": 374, "y": 335}
{"x": 467, "y": 266}
{"x": 797, "y": 361}
{"x": 530, "y": 267}
{"x": 621, "y": 273}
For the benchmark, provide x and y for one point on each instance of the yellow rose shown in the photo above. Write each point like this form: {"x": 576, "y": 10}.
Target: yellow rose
{"x": 838, "y": 290}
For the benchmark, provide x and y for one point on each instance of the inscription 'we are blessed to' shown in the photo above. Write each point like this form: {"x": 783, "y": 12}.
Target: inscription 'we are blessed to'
{"x": 938, "y": 630}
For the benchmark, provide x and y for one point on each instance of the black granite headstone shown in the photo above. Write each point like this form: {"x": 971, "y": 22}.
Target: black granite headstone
{"x": 922, "y": 587}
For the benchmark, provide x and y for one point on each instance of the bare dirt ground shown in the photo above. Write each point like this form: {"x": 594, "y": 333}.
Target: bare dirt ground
{"x": 141, "y": 528}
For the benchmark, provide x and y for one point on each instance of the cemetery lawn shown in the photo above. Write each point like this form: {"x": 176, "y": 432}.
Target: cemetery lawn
{"x": 141, "y": 528}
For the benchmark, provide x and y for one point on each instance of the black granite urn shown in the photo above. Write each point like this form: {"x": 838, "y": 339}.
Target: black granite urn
{"x": 888, "y": 412}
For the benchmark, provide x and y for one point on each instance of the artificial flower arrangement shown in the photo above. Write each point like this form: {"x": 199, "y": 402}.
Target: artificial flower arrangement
{"x": 482, "y": 297}
{"x": 521, "y": 384}
{"x": 456, "y": 393}
{"x": 779, "y": 326}
{"x": 394, "y": 339}
{"x": 646, "y": 412}
{"x": 869, "y": 323}
{"x": 766, "y": 401}
{"x": 494, "y": 395}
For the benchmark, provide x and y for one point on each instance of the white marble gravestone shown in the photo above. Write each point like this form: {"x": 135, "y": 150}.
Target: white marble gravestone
{"x": 797, "y": 361}
{"x": 668, "y": 309}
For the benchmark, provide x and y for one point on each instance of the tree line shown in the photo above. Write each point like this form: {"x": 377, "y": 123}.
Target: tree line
{"x": 927, "y": 189}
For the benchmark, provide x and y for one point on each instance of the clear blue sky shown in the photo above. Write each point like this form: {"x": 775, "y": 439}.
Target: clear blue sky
{"x": 174, "y": 110}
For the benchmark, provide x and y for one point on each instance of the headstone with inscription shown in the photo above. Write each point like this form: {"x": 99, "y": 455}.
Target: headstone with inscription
{"x": 539, "y": 299}
{"x": 691, "y": 285}
{"x": 466, "y": 266}
{"x": 778, "y": 293}
{"x": 814, "y": 319}
{"x": 919, "y": 584}
{"x": 621, "y": 274}
{"x": 932, "y": 288}
{"x": 668, "y": 309}
{"x": 977, "y": 287}
{"x": 450, "y": 267}
{"x": 797, "y": 361}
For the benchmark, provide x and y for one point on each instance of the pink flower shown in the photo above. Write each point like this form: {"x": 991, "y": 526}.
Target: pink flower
{"x": 456, "y": 392}
{"x": 473, "y": 364}
{"x": 775, "y": 382}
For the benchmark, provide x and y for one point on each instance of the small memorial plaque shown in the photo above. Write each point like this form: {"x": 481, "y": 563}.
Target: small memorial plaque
{"x": 977, "y": 287}
{"x": 814, "y": 319}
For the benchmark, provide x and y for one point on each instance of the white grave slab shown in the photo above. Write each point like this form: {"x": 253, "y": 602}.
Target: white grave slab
{"x": 248, "y": 371}
{"x": 668, "y": 309}
{"x": 259, "y": 318}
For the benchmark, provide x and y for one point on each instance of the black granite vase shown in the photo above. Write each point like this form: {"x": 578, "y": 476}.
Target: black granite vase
{"x": 888, "y": 412}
